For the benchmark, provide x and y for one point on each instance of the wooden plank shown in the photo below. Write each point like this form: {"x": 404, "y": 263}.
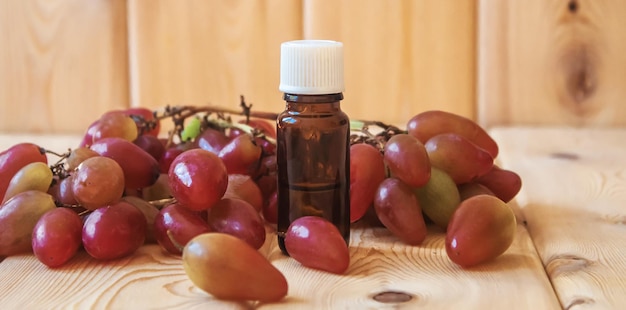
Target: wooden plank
{"x": 573, "y": 200}
{"x": 401, "y": 57}
{"x": 552, "y": 62}
{"x": 61, "y": 63}
{"x": 209, "y": 52}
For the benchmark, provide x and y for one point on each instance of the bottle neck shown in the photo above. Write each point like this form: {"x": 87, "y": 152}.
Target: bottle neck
{"x": 325, "y": 98}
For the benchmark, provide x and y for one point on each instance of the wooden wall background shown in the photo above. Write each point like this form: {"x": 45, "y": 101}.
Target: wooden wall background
{"x": 517, "y": 62}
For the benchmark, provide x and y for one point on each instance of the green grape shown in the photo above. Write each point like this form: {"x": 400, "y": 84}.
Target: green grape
{"x": 192, "y": 130}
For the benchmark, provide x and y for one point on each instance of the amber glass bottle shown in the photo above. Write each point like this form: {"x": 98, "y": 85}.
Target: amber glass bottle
{"x": 313, "y": 149}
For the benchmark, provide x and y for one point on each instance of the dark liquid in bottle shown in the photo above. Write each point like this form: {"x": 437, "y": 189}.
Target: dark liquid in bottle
{"x": 313, "y": 167}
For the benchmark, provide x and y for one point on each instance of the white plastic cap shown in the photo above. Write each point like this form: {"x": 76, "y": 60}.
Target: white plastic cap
{"x": 311, "y": 67}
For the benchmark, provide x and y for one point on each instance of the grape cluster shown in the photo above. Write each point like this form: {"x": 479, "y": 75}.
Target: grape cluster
{"x": 206, "y": 190}
{"x": 441, "y": 169}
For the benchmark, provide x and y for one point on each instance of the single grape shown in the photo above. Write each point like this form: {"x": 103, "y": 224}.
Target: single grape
{"x": 16, "y": 157}
{"x": 367, "y": 171}
{"x": 229, "y": 268}
{"x": 238, "y": 218}
{"x": 159, "y": 190}
{"x": 57, "y": 236}
{"x": 151, "y": 145}
{"x": 62, "y": 191}
{"x": 211, "y": 140}
{"x": 78, "y": 155}
{"x": 399, "y": 210}
{"x": 481, "y": 229}
{"x": 242, "y": 187}
{"x": 180, "y": 224}
{"x": 241, "y": 155}
{"x": 88, "y": 136}
{"x": 98, "y": 181}
{"x": 149, "y": 211}
{"x": 171, "y": 153}
{"x": 428, "y": 124}
{"x": 18, "y": 217}
{"x": 316, "y": 243}
{"x": 140, "y": 168}
{"x": 33, "y": 176}
{"x": 198, "y": 179}
{"x": 407, "y": 159}
{"x": 115, "y": 124}
{"x": 439, "y": 197}
{"x": 505, "y": 184}
{"x": 461, "y": 159}
{"x": 114, "y": 231}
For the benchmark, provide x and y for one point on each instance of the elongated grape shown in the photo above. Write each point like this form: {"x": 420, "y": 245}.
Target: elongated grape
{"x": 16, "y": 157}
{"x": 33, "y": 176}
{"x": 316, "y": 243}
{"x": 471, "y": 189}
{"x": 428, "y": 124}
{"x": 98, "y": 181}
{"x": 180, "y": 224}
{"x": 439, "y": 198}
{"x": 367, "y": 171}
{"x": 57, "y": 236}
{"x": 407, "y": 159}
{"x": 149, "y": 211}
{"x": 399, "y": 210}
{"x": 481, "y": 229}
{"x": 18, "y": 217}
{"x": 198, "y": 179}
{"x": 238, "y": 218}
{"x": 461, "y": 159}
{"x": 62, "y": 191}
{"x": 114, "y": 231}
{"x": 229, "y": 268}
{"x": 505, "y": 184}
{"x": 140, "y": 168}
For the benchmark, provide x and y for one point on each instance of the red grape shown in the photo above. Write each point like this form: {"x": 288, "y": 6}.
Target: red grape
{"x": 243, "y": 187}
{"x": 16, "y": 157}
{"x": 114, "y": 124}
{"x": 367, "y": 171}
{"x": 461, "y": 159}
{"x": 399, "y": 210}
{"x": 482, "y": 228}
{"x": 140, "y": 168}
{"x": 98, "y": 181}
{"x": 431, "y": 123}
{"x": 238, "y": 218}
{"x": 241, "y": 155}
{"x": 316, "y": 243}
{"x": 147, "y": 115}
{"x": 57, "y": 236}
{"x": 505, "y": 184}
{"x": 114, "y": 231}
{"x": 151, "y": 145}
{"x": 198, "y": 179}
{"x": 211, "y": 140}
{"x": 407, "y": 159}
{"x": 179, "y": 223}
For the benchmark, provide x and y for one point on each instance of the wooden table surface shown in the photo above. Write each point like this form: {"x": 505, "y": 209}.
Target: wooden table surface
{"x": 569, "y": 252}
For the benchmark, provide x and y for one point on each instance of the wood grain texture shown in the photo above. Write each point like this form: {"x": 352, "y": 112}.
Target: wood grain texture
{"x": 573, "y": 200}
{"x": 62, "y": 63}
{"x": 401, "y": 57}
{"x": 209, "y": 52}
{"x": 552, "y": 62}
